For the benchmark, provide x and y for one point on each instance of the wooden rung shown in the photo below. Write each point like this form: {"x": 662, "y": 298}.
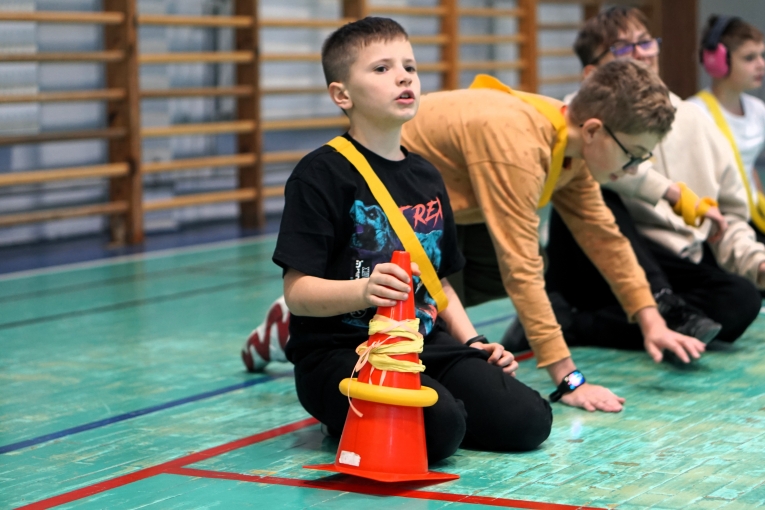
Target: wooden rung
{"x": 303, "y": 23}
{"x": 402, "y": 10}
{"x": 240, "y": 90}
{"x": 273, "y": 191}
{"x": 75, "y": 95}
{"x": 237, "y": 195}
{"x": 88, "y": 56}
{"x": 555, "y": 80}
{"x": 290, "y": 57}
{"x": 283, "y": 157}
{"x": 104, "y": 18}
{"x": 195, "y": 21}
{"x": 492, "y": 39}
{"x": 315, "y": 123}
{"x": 556, "y": 52}
{"x": 559, "y": 26}
{"x": 63, "y": 174}
{"x": 205, "y": 128}
{"x": 439, "y": 39}
{"x": 495, "y": 65}
{"x": 63, "y": 136}
{"x": 293, "y": 90}
{"x": 194, "y": 57}
{"x": 110, "y": 208}
{"x": 431, "y": 67}
{"x": 488, "y": 12}
{"x": 191, "y": 163}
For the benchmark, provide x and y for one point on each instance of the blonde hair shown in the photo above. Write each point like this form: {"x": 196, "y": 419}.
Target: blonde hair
{"x": 626, "y": 96}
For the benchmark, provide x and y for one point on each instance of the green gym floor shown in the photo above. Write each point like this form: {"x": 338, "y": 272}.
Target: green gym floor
{"x": 121, "y": 387}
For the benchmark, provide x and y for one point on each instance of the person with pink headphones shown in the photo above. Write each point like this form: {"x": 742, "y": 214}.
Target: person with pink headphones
{"x": 733, "y": 54}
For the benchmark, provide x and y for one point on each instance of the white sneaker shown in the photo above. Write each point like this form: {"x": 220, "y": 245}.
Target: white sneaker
{"x": 266, "y": 342}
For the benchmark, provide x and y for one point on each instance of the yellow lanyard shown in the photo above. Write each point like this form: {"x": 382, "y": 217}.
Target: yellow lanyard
{"x": 397, "y": 220}
{"x": 484, "y": 81}
{"x": 714, "y": 108}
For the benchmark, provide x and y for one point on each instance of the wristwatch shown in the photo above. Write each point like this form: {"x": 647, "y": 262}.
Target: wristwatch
{"x": 479, "y": 338}
{"x": 569, "y": 383}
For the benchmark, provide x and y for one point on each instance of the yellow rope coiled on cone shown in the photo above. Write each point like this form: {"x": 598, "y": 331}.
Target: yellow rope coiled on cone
{"x": 691, "y": 207}
{"x": 378, "y": 354}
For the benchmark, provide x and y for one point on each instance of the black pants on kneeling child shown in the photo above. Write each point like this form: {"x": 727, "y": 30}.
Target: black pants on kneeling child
{"x": 479, "y": 406}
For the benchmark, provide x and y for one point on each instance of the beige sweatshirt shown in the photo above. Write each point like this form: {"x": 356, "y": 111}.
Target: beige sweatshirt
{"x": 696, "y": 153}
{"x": 493, "y": 151}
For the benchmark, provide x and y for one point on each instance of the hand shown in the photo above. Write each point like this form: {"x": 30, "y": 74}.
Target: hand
{"x": 592, "y": 397}
{"x": 499, "y": 356}
{"x": 719, "y": 224}
{"x": 661, "y": 338}
{"x": 387, "y": 284}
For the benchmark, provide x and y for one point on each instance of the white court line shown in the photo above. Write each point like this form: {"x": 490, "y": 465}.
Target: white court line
{"x": 156, "y": 254}
{"x": 762, "y": 310}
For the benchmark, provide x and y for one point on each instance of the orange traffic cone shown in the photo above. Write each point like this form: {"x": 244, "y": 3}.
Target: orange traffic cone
{"x": 384, "y": 434}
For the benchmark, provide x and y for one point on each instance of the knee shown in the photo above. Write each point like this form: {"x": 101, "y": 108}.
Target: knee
{"x": 516, "y": 428}
{"x": 445, "y": 426}
{"x": 742, "y": 310}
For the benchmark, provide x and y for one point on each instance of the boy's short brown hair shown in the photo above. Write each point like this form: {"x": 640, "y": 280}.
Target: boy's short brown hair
{"x": 602, "y": 31}
{"x": 627, "y": 97}
{"x": 340, "y": 49}
{"x": 735, "y": 34}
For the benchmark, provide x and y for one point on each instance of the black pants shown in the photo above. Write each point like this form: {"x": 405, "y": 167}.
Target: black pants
{"x": 479, "y": 406}
{"x": 729, "y": 299}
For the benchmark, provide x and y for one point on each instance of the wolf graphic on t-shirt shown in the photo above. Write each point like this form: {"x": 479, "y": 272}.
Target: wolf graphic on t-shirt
{"x": 374, "y": 241}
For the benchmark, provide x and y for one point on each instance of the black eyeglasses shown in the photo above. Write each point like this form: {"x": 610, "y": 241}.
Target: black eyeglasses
{"x": 623, "y": 49}
{"x": 634, "y": 160}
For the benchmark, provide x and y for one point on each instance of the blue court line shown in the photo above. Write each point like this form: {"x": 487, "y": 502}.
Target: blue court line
{"x": 134, "y": 414}
{"x": 489, "y": 322}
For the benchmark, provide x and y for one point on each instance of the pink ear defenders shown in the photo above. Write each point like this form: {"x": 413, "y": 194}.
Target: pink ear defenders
{"x": 714, "y": 55}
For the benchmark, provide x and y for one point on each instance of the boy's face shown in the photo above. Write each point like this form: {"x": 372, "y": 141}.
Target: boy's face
{"x": 606, "y": 158}
{"x": 382, "y": 85}
{"x": 637, "y": 33}
{"x": 747, "y": 66}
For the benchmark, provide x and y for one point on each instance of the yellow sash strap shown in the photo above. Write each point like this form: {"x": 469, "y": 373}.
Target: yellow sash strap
{"x": 756, "y": 210}
{"x": 397, "y": 220}
{"x": 691, "y": 207}
{"x": 551, "y": 113}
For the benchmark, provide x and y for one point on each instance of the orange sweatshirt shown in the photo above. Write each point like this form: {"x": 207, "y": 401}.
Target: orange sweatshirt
{"x": 493, "y": 151}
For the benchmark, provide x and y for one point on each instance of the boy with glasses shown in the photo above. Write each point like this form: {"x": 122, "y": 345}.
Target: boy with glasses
{"x": 694, "y": 294}
{"x": 503, "y": 154}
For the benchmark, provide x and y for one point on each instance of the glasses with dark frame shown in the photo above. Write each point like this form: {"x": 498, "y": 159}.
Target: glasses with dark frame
{"x": 634, "y": 160}
{"x": 622, "y": 49}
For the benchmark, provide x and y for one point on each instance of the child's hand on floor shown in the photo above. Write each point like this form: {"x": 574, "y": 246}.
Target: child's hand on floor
{"x": 592, "y": 397}
{"x": 387, "y": 284}
{"x": 499, "y": 356}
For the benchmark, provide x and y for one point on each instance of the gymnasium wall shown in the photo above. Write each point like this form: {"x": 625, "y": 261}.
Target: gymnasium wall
{"x": 31, "y": 118}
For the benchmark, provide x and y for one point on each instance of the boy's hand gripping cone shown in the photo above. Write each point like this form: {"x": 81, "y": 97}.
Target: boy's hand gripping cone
{"x": 384, "y": 434}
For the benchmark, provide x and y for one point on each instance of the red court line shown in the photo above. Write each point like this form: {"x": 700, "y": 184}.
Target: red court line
{"x": 524, "y": 356}
{"x": 142, "y": 474}
{"x": 350, "y": 484}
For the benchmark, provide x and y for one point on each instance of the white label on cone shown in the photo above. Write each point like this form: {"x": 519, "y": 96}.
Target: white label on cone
{"x": 350, "y": 458}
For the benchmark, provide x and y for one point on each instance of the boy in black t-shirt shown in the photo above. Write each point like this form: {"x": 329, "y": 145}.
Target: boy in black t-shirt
{"x": 335, "y": 244}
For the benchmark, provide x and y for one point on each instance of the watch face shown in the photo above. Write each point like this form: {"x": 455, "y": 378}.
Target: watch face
{"x": 575, "y": 379}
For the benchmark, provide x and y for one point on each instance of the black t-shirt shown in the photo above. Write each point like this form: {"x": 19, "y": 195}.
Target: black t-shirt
{"x": 333, "y": 228}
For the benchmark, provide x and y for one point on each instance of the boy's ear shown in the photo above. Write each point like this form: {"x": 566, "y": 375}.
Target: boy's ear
{"x": 339, "y": 94}
{"x": 590, "y": 128}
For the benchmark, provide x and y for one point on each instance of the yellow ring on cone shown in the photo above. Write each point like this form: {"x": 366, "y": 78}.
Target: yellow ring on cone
{"x": 424, "y": 397}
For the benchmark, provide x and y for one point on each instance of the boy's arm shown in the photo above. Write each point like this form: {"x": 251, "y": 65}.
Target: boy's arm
{"x": 461, "y": 327}
{"x": 310, "y": 296}
{"x": 738, "y": 251}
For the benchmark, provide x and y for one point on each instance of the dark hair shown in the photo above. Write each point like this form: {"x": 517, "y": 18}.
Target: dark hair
{"x": 627, "y": 97}
{"x": 340, "y": 49}
{"x": 602, "y": 31}
{"x": 736, "y": 33}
